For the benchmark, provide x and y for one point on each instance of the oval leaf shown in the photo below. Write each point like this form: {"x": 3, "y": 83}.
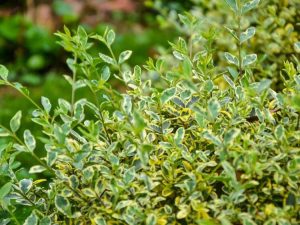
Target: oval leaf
{"x": 29, "y": 140}
{"x": 249, "y": 59}
{"x": 231, "y": 59}
{"x": 15, "y": 122}
{"x": 124, "y": 56}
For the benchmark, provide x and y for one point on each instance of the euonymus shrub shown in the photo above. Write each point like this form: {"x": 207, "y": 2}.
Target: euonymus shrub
{"x": 175, "y": 148}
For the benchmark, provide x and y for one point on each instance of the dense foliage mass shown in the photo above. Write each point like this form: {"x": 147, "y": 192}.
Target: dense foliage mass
{"x": 188, "y": 142}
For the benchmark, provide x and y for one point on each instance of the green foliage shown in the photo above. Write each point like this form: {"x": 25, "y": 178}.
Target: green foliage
{"x": 176, "y": 147}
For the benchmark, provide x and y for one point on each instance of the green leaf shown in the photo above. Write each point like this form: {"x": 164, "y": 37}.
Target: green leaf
{"x": 250, "y": 5}
{"x": 129, "y": 175}
{"x": 3, "y": 72}
{"x": 179, "y": 135}
{"x": 167, "y": 95}
{"x": 4, "y": 190}
{"x": 105, "y": 73}
{"x": 4, "y": 133}
{"x": 249, "y": 33}
{"x": 209, "y": 136}
{"x": 45, "y": 221}
{"x": 124, "y": 56}
{"x": 127, "y": 104}
{"x": 32, "y": 219}
{"x": 214, "y": 108}
{"x": 232, "y": 4}
{"x": 229, "y": 81}
{"x": 107, "y": 59}
{"x": 37, "y": 169}
{"x": 296, "y": 102}
{"x": 249, "y": 59}
{"x": 297, "y": 46}
{"x": 229, "y": 170}
{"x": 46, "y": 104}
{"x": 231, "y": 135}
{"x": 231, "y": 59}
{"x": 263, "y": 85}
{"x": 151, "y": 219}
{"x": 110, "y": 37}
{"x": 279, "y": 132}
{"x": 29, "y": 140}
{"x": 25, "y": 185}
{"x": 88, "y": 192}
{"x": 99, "y": 220}
{"x": 187, "y": 68}
{"x": 15, "y": 122}
{"x": 63, "y": 205}
{"x": 73, "y": 182}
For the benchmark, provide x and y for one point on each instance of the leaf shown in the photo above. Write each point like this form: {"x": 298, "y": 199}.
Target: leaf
{"x": 73, "y": 182}
{"x": 37, "y": 169}
{"x": 250, "y": 5}
{"x": 167, "y": 95}
{"x": 249, "y": 33}
{"x": 179, "y": 135}
{"x": 129, "y": 175}
{"x": 279, "y": 132}
{"x": 105, "y": 73}
{"x": 124, "y": 56}
{"x": 4, "y": 133}
{"x": 88, "y": 192}
{"x": 63, "y": 205}
{"x": 29, "y": 140}
{"x": 229, "y": 81}
{"x": 297, "y": 46}
{"x": 3, "y": 72}
{"x": 25, "y": 185}
{"x": 209, "y": 136}
{"x": 249, "y": 59}
{"x": 45, "y": 221}
{"x": 231, "y": 58}
{"x": 110, "y": 37}
{"x": 231, "y": 135}
{"x": 107, "y": 59}
{"x": 99, "y": 220}
{"x": 127, "y": 104}
{"x": 263, "y": 85}
{"x": 31, "y": 220}
{"x": 46, "y": 104}
{"x": 229, "y": 170}
{"x": 4, "y": 190}
{"x": 213, "y": 108}
{"x": 151, "y": 219}
{"x": 15, "y": 122}
{"x": 232, "y": 4}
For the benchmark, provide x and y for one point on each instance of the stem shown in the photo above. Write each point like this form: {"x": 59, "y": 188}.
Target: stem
{"x": 73, "y": 87}
{"x": 13, "y": 216}
{"x": 239, "y": 35}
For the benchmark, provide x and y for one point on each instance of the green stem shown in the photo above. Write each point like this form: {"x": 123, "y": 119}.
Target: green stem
{"x": 13, "y": 216}
{"x": 73, "y": 86}
{"x": 239, "y": 35}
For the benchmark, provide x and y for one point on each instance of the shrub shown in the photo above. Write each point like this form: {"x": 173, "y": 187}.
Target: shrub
{"x": 175, "y": 148}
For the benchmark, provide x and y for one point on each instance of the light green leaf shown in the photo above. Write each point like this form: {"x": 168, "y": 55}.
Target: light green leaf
{"x": 230, "y": 136}
{"x": 129, "y": 175}
{"x": 25, "y": 185}
{"x": 232, "y": 4}
{"x": 127, "y": 104}
{"x": 229, "y": 170}
{"x": 15, "y": 122}
{"x": 110, "y": 37}
{"x": 297, "y": 46}
{"x": 46, "y": 104}
{"x": 4, "y": 190}
{"x": 229, "y": 81}
{"x": 214, "y": 108}
{"x": 167, "y": 95}
{"x": 73, "y": 182}
{"x": 4, "y": 133}
{"x": 37, "y": 169}
{"x": 279, "y": 132}
{"x": 250, "y": 5}
{"x": 231, "y": 59}
{"x": 88, "y": 192}
{"x": 249, "y": 33}
{"x": 105, "y": 73}
{"x": 29, "y": 140}
{"x": 99, "y": 220}
{"x": 63, "y": 205}
{"x": 3, "y": 72}
{"x": 209, "y": 136}
{"x": 179, "y": 135}
{"x": 107, "y": 59}
{"x": 45, "y": 221}
{"x": 151, "y": 219}
{"x": 32, "y": 219}
{"x": 124, "y": 56}
{"x": 249, "y": 59}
